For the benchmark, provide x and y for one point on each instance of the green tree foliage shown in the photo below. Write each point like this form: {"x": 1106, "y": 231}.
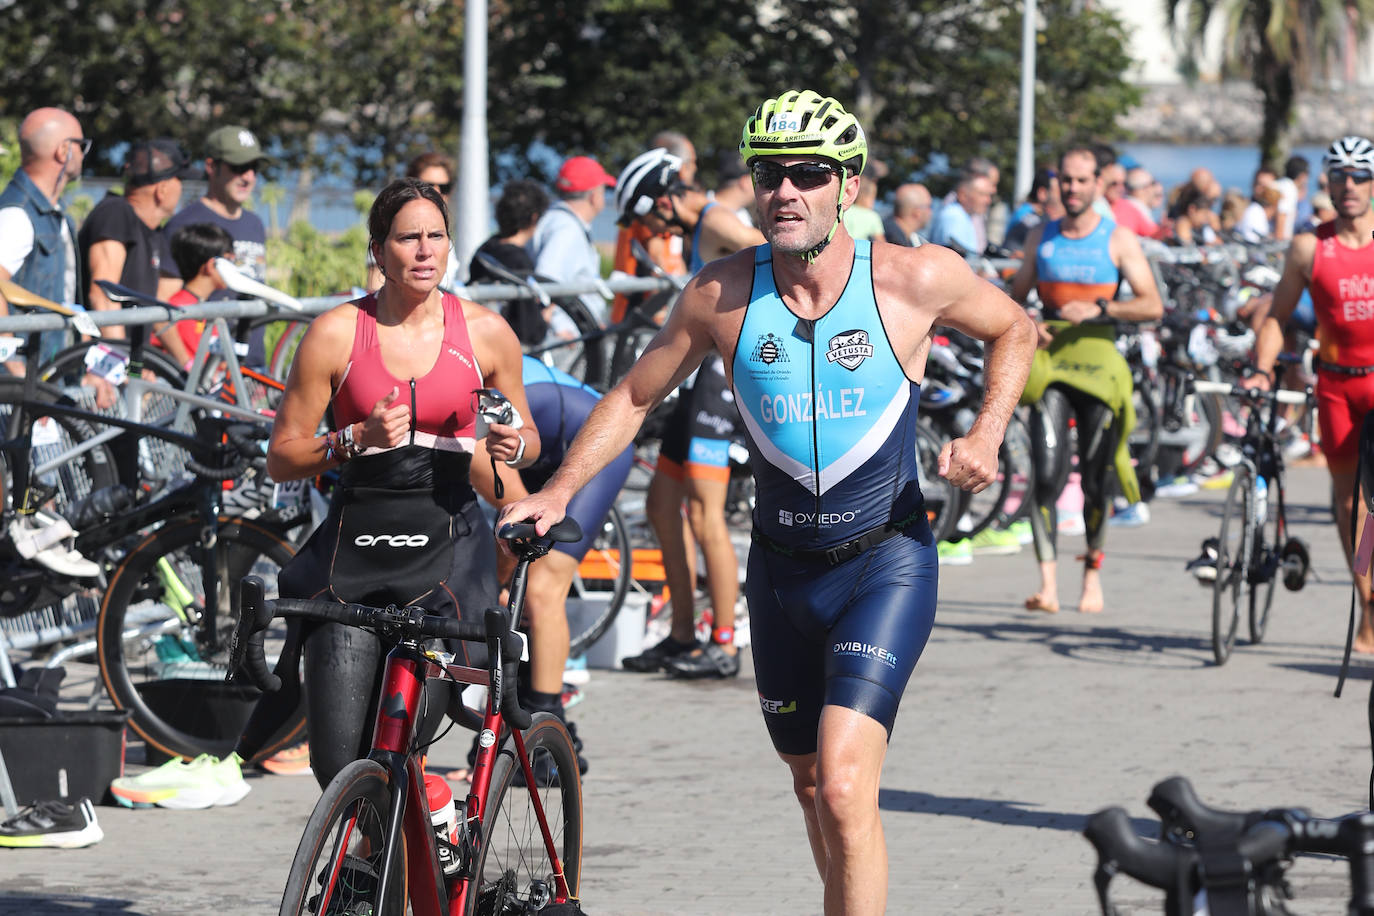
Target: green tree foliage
{"x": 339, "y": 85}
{"x": 350, "y": 87}
{"x": 1284, "y": 46}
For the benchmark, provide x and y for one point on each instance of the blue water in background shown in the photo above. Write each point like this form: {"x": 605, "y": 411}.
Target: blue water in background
{"x": 332, "y": 210}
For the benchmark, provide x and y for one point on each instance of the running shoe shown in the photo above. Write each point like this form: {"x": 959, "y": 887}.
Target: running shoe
{"x": 571, "y": 696}
{"x": 575, "y": 671}
{"x": 293, "y": 761}
{"x": 203, "y": 783}
{"x": 1072, "y": 525}
{"x": 1023, "y": 532}
{"x": 711, "y": 662}
{"x": 993, "y": 542}
{"x": 1133, "y": 516}
{"x": 52, "y": 824}
{"x": 955, "y": 553}
{"x": 652, "y": 659}
{"x": 1177, "y": 486}
{"x": 1204, "y": 565}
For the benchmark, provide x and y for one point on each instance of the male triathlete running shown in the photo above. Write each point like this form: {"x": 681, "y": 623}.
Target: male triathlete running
{"x": 694, "y": 458}
{"x": 1336, "y": 264}
{"x": 1077, "y": 264}
{"x": 824, "y": 341}
{"x": 559, "y": 405}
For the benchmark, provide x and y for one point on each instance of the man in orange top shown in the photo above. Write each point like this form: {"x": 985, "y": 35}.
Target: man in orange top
{"x": 665, "y": 248}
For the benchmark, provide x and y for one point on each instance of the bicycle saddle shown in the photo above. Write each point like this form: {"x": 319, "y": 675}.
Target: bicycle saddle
{"x": 118, "y": 292}
{"x": 17, "y": 296}
{"x": 568, "y": 531}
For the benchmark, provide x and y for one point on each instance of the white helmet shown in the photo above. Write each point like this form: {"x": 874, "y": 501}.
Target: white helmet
{"x": 1349, "y": 153}
{"x": 648, "y": 177}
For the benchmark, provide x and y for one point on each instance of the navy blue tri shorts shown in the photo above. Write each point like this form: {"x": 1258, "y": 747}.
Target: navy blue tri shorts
{"x": 847, "y": 635}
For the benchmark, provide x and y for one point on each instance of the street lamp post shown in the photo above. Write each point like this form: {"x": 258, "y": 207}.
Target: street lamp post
{"x": 1025, "y": 144}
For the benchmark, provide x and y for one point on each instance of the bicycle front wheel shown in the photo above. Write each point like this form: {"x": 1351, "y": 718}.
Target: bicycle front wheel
{"x": 1233, "y": 560}
{"x": 1269, "y": 535}
{"x": 607, "y": 566}
{"x": 337, "y": 867}
{"x": 163, "y": 654}
{"x": 513, "y": 872}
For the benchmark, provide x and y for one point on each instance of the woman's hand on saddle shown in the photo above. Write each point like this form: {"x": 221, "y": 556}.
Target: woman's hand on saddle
{"x": 389, "y": 423}
{"x": 1079, "y": 311}
{"x": 969, "y": 463}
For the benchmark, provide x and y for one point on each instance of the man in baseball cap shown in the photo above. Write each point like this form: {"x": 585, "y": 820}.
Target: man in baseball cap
{"x": 582, "y": 173}
{"x": 153, "y": 161}
{"x": 233, "y": 159}
{"x": 562, "y": 246}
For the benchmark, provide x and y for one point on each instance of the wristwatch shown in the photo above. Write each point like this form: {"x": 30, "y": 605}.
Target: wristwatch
{"x": 519, "y": 454}
{"x": 1102, "y": 304}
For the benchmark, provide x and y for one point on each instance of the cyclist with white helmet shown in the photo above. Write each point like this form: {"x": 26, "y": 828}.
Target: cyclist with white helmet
{"x": 824, "y": 341}
{"x": 694, "y": 459}
{"x": 1336, "y": 264}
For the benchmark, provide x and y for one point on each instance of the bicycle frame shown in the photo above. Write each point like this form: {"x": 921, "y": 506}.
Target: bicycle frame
{"x": 407, "y": 669}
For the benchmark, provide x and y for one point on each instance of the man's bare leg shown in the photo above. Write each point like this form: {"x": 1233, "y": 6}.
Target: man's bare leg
{"x": 803, "y": 769}
{"x": 663, "y": 506}
{"x": 1047, "y": 599}
{"x": 706, "y": 514}
{"x": 546, "y": 610}
{"x": 1091, "y": 601}
{"x": 1343, "y": 482}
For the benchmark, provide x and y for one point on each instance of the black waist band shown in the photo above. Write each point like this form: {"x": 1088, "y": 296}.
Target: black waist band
{"x": 1344, "y": 370}
{"x": 834, "y": 556}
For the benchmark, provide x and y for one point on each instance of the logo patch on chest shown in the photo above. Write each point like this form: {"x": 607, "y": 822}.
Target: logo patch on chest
{"x": 849, "y": 349}
{"x": 769, "y": 349}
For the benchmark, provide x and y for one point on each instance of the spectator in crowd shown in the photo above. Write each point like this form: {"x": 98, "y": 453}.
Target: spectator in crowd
{"x": 120, "y": 240}
{"x": 1204, "y": 186}
{"x": 1257, "y": 222}
{"x": 736, "y": 189}
{"x": 954, "y": 224}
{"x": 910, "y": 214}
{"x": 518, "y": 210}
{"x": 861, "y": 221}
{"x": 1106, "y": 164}
{"x": 984, "y": 168}
{"x": 665, "y": 249}
{"x": 194, "y": 248}
{"x": 1041, "y": 205}
{"x": 1233, "y": 206}
{"x": 1295, "y": 210}
{"x": 562, "y": 242}
{"x": 37, "y": 238}
{"x": 1323, "y": 210}
{"x": 1113, "y": 182}
{"x": 1135, "y": 210}
{"x": 233, "y": 161}
{"x": 1195, "y": 217}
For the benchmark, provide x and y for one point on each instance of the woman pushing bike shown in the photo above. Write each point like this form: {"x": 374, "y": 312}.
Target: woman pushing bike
{"x": 402, "y": 371}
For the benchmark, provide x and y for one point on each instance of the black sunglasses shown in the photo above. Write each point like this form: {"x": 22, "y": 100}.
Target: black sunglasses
{"x": 239, "y": 168}
{"x": 444, "y": 188}
{"x": 1358, "y": 176}
{"x": 805, "y": 176}
{"x": 83, "y": 142}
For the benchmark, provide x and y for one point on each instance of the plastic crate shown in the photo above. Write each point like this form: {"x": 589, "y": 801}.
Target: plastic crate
{"x": 76, "y": 755}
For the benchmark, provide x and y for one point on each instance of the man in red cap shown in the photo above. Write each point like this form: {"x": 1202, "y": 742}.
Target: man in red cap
{"x": 562, "y": 243}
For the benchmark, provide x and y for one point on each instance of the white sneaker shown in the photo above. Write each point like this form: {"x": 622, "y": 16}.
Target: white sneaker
{"x": 45, "y": 543}
{"x": 1072, "y": 524}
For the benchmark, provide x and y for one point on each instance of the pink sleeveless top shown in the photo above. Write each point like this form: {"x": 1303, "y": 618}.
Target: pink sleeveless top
{"x": 441, "y": 400}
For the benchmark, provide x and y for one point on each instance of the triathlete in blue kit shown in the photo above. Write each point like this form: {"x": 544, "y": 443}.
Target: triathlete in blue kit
{"x": 825, "y": 340}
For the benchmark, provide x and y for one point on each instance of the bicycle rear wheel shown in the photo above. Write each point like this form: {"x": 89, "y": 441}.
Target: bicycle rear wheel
{"x": 338, "y": 862}
{"x": 162, "y": 657}
{"x": 513, "y": 872}
{"x": 944, "y": 501}
{"x": 1265, "y": 562}
{"x": 1233, "y": 561}
{"x": 607, "y": 565}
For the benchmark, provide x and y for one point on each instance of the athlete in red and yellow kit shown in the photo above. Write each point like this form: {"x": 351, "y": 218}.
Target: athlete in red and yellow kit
{"x": 1336, "y": 263}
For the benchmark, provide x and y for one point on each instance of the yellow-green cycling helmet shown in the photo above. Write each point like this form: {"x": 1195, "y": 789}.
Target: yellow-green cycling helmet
{"x": 805, "y": 124}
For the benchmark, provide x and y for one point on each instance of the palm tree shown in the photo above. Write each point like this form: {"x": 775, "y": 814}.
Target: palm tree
{"x": 1285, "y": 45}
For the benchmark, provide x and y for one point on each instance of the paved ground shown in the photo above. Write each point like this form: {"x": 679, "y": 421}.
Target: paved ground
{"x": 1015, "y": 727}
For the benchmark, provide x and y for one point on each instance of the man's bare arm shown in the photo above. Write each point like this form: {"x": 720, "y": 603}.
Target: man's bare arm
{"x": 106, "y": 262}
{"x": 1297, "y": 268}
{"x": 1147, "y": 305}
